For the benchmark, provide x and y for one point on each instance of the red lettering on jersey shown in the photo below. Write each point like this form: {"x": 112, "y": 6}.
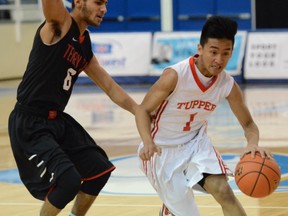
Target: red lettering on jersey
{"x": 202, "y": 104}
{"x": 72, "y": 56}
{"x": 179, "y": 105}
{"x": 196, "y": 104}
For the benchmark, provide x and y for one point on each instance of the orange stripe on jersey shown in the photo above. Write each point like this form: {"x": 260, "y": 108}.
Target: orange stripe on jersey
{"x": 157, "y": 118}
{"x": 199, "y": 83}
{"x": 144, "y": 165}
{"x": 81, "y": 38}
{"x": 221, "y": 163}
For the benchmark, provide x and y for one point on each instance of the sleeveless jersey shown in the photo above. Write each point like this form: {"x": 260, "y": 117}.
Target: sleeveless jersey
{"x": 180, "y": 116}
{"x": 53, "y": 69}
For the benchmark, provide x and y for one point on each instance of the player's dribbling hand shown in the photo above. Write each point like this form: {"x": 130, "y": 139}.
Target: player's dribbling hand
{"x": 148, "y": 151}
{"x": 254, "y": 148}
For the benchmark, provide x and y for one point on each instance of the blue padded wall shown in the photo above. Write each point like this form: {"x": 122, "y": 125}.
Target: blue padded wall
{"x": 143, "y": 8}
{"x": 239, "y": 10}
{"x": 145, "y": 15}
{"x": 233, "y": 7}
{"x": 131, "y": 15}
{"x": 194, "y": 7}
{"x": 192, "y": 14}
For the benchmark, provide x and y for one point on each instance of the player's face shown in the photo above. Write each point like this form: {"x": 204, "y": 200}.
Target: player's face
{"x": 93, "y": 11}
{"x": 214, "y": 56}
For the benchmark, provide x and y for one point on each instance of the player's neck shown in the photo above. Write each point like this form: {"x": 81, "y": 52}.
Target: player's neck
{"x": 82, "y": 25}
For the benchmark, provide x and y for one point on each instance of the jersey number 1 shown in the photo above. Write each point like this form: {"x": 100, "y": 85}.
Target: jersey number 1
{"x": 188, "y": 124}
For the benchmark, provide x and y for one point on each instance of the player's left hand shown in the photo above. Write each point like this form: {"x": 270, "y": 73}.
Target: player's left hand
{"x": 254, "y": 148}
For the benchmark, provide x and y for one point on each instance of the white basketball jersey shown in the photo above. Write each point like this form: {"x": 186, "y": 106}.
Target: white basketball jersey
{"x": 179, "y": 118}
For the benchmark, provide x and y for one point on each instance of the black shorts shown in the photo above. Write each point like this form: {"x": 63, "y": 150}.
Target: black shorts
{"x": 44, "y": 148}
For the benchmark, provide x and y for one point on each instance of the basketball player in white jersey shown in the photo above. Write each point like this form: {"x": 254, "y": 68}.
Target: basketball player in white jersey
{"x": 176, "y": 153}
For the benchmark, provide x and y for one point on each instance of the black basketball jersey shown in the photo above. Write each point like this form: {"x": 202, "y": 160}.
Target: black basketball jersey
{"x": 53, "y": 69}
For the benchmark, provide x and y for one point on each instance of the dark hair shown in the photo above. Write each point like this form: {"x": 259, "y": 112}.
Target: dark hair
{"x": 73, "y": 4}
{"x": 219, "y": 28}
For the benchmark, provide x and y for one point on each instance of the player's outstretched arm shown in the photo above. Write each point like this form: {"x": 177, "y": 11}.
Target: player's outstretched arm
{"x": 242, "y": 113}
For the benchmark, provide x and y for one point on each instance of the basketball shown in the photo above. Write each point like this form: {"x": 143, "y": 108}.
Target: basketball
{"x": 257, "y": 177}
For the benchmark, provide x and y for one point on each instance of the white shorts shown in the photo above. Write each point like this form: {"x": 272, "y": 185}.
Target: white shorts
{"x": 179, "y": 169}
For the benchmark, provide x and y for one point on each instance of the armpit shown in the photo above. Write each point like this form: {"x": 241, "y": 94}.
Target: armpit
{"x": 57, "y": 29}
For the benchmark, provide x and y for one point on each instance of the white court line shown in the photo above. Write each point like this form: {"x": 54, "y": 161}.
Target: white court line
{"x": 154, "y": 206}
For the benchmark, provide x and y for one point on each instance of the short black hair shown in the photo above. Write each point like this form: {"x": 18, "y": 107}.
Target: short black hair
{"x": 218, "y": 27}
{"x": 73, "y": 4}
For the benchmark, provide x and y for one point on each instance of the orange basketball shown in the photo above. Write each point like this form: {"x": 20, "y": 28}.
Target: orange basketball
{"x": 257, "y": 177}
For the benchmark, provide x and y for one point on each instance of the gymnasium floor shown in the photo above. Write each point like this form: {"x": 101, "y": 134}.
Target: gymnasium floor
{"x": 128, "y": 193}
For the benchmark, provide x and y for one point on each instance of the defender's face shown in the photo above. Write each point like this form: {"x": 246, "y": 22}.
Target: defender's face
{"x": 214, "y": 56}
{"x": 93, "y": 11}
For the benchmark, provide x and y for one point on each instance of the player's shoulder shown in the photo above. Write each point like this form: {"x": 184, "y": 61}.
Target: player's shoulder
{"x": 180, "y": 66}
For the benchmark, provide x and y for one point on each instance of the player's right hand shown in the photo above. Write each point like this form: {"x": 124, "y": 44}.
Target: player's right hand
{"x": 148, "y": 151}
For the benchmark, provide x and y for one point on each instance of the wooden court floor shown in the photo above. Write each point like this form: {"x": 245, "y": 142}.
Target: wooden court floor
{"x": 127, "y": 192}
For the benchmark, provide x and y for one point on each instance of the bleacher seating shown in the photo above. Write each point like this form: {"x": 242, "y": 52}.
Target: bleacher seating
{"x": 131, "y": 15}
{"x": 143, "y": 15}
{"x": 188, "y": 15}
{"x": 239, "y": 10}
{"x": 113, "y": 20}
{"x": 191, "y": 14}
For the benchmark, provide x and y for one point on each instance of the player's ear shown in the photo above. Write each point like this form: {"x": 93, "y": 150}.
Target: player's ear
{"x": 77, "y": 3}
{"x": 199, "y": 48}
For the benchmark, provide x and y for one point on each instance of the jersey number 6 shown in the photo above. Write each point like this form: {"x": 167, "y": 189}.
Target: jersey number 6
{"x": 68, "y": 80}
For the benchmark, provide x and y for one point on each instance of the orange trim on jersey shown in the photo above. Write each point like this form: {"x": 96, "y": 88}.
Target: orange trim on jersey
{"x": 152, "y": 168}
{"x": 100, "y": 174}
{"x": 221, "y": 163}
{"x": 144, "y": 165}
{"x": 157, "y": 118}
{"x": 81, "y": 38}
{"x": 148, "y": 166}
{"x": 49, "y": 191}
{"x": 194, "y": 73}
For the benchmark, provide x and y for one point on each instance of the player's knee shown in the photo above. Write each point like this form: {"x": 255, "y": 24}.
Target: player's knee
{"x": 224, "y": 194}
{"x": 225, "y": 189}
{"x": 67, "y": 186}
{"x": 94, "y": 186}
{"x": 218, "y": 187}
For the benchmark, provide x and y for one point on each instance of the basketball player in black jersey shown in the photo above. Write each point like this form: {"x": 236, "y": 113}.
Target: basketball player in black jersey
{"x": 56, "y": 158}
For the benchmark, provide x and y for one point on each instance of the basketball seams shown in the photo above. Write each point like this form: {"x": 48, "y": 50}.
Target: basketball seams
{"x": 262, "y": 163}
{"x": 272, "y": 168}
{"x": 242, "y": 176}
{"x": 257, "y": 179}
